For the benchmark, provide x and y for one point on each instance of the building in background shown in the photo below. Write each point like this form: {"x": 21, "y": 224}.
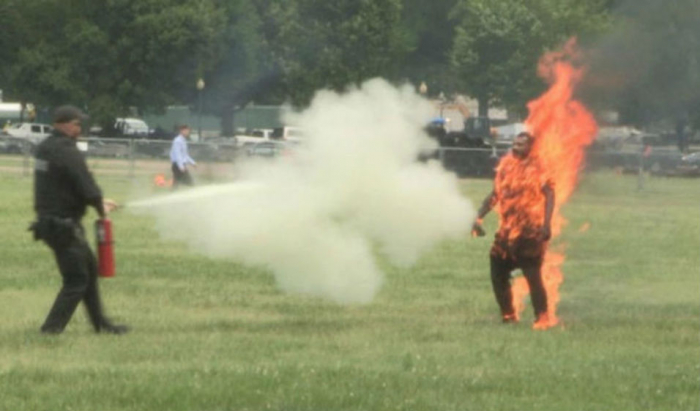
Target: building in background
{"x": 251, "y": 117}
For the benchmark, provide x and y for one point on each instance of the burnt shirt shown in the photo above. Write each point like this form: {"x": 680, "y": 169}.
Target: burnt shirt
{"x": 519, "y": 198}
{"x": 63, "y": 186}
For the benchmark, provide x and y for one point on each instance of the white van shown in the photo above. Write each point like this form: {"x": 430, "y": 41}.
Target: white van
{"x": 32, "y": 132}
{"x": 290, "y": 134}
{"x": 252, "y": 137}
{"x": 132, "y": 127}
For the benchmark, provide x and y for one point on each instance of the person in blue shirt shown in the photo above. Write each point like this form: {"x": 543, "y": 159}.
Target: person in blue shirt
{"x": 180, "y": 158}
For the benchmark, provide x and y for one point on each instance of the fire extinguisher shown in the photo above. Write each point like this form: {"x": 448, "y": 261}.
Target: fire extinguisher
{"x": 105, "y": 247}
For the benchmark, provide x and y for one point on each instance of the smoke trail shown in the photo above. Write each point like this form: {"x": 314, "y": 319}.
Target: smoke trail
{"x": 315, "y": 217}
{"x": 648, "y": 65}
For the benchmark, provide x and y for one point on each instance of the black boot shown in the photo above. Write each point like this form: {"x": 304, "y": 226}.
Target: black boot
{"x": 109, "y": 328}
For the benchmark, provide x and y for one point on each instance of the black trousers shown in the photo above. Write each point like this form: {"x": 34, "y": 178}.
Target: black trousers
{"x": 501, "y": 269}
{"x": 181, "y": 177}
{"x": 78, "y": 267}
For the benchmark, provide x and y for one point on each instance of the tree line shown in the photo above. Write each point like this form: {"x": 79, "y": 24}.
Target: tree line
{"x": 109, "y": 56}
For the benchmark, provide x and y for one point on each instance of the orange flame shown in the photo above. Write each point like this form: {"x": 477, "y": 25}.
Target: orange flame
{"x": 563, "y": 128}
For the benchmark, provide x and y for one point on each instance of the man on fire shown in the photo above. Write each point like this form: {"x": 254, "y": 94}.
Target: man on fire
{"x": 523, "y": 196}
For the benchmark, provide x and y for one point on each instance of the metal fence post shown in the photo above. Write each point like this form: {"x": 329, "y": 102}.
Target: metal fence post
{"x": 25, "y": 162}
{"x": 132, "y": 159}
{"x": 640, "y": 177}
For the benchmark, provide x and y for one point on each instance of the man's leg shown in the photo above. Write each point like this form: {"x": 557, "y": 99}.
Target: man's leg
{"x": 500, "y": 279}
{"x": 532, "y": 270}
{"x": 177, "y": 175}
{"x": 93, "y": 305}
{"x": 71, "y": 263}
{"x": 187, "y": 178}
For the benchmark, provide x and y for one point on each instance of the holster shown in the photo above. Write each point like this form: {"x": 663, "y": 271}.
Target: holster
{"x": 56, "y": 231}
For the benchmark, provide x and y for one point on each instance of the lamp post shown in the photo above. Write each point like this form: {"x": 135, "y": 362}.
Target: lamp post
{"x": 200, "y": 88}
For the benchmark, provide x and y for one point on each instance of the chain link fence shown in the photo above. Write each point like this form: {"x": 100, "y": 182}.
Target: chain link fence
{"x": 128, "y": 158}
{"x": 131, "y": 158}
{"x": 658, "y": 161}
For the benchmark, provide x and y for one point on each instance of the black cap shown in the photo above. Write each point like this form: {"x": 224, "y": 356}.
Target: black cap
{"x": 66, "y": 114}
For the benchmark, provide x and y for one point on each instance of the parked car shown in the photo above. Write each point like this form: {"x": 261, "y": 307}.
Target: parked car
{"x": 159, "y": 133}
{"x": 202, "y": 151}
{"x": 32, "y": 132}
{"x": 505, "y": 135}
{"x": 270, "y": 149}
{"x": 131, "y": 127}
{"x": 292, "y": 134}
{"x": 226, "y": 148}
{"x": 690, "y": 164}
{"x": 123, "y": 128}
{"x": 251, "y": 137}
{"x": 12, "y": 145}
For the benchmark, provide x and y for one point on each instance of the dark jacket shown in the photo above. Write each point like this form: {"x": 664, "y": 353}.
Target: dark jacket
{"x": 63, "y": 186}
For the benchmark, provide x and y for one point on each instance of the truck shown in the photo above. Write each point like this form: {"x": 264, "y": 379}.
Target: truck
{"x": 288, "y": 134}
{"x": 284, "y": 134}
{"x": 123, "y": 127}
{"x": 34, "y": 133}
{"x": 251, "y": 137}
{"x": 131, "y": 127}
{"x": 477, "y": 133}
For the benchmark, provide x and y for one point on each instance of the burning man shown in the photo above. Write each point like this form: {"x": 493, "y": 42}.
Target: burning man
{"x": 523, "y": 196}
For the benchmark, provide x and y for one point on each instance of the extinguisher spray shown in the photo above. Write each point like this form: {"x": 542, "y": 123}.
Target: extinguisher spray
{"x": 105, "y": 247}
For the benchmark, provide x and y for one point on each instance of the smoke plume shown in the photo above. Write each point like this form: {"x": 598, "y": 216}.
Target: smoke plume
{"x": 648, "y": 65}
{"x": 318, "y": 216}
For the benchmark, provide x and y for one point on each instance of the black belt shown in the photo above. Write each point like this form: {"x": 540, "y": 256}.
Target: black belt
{"x": 52, "y": 228}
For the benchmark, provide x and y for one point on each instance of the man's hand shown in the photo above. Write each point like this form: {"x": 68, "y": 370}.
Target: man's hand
{"x": 478, "y": 229}
{"x": 545, "y": 233}
{"x": 109, "y": 205}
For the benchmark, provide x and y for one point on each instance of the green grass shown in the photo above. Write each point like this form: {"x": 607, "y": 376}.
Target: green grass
{"x": 215, "y": 335}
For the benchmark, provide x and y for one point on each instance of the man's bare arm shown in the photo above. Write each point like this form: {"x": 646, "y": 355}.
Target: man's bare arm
{"x": 486, "y": 206}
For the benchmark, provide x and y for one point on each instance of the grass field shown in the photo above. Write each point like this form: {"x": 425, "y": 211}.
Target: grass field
{"x": 216, "y": 335}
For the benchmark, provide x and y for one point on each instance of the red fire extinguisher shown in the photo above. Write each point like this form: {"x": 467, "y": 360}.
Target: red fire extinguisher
{"x": 105, "y": 247}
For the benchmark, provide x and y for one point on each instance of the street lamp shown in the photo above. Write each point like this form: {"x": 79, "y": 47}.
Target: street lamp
{"x": 200, "y": 88}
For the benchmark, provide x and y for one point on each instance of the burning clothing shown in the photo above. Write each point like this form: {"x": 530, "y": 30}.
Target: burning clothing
{"x": 559, "y": 130}
{"x": 524, "y": 199}
{"x": 519, "y": 199}
{"x": 501, "y": 269}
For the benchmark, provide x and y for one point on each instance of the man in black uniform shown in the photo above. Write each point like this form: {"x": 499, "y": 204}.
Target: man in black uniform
{"x": 63, "y": 188}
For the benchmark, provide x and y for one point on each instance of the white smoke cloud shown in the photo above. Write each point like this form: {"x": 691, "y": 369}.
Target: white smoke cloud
{"x": 315, "y": 217}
